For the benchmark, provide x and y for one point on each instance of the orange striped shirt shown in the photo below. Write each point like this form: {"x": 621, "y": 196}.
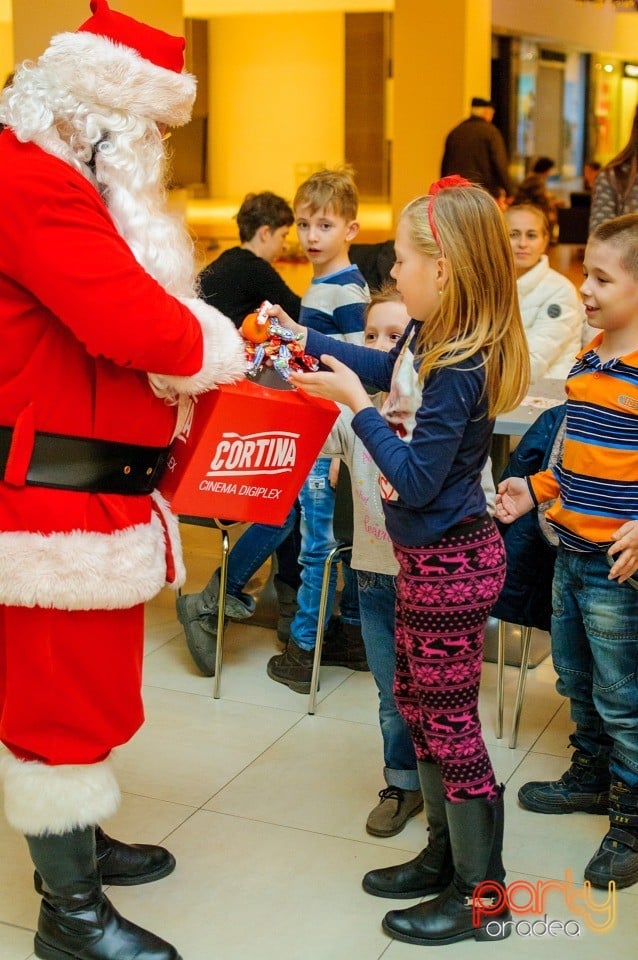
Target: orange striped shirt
{"x": 596, "y": 482}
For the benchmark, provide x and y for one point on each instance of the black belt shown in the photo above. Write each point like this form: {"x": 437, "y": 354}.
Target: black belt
{"x": 89, "y": 466}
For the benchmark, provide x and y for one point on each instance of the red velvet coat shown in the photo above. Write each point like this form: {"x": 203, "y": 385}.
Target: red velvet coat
{"x": 81, "y": 326}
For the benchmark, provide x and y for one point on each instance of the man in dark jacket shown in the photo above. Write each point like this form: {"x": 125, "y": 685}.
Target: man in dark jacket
{"x": 475, "y": 150}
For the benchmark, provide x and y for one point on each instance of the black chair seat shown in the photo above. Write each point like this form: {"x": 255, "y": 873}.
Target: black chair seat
{"x": 573, "y": 225}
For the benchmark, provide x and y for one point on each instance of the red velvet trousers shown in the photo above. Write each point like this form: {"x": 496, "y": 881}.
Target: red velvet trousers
{"x": 70, "y": 682}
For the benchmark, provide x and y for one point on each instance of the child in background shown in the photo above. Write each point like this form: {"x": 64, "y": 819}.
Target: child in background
{"x": 325, "y": 209}
{"x": 237, "y": 283}
{"x": 551, "y": 310}
{"x": 595, "y": 608}
{"x": 376, "y": 569}
{"x": 462, "y": 361}
{"x": 241, "y": 278}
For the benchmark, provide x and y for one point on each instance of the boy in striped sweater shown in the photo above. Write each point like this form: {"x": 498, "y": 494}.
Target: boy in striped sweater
{"x": 595, "y": 596}
{"x": 325, "y": 208}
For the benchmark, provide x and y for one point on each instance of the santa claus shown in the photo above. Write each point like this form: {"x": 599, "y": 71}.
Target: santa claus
{"x": 103, "y": 335}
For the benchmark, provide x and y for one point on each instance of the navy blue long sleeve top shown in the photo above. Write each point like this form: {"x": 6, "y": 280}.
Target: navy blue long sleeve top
{"x": 437, "y": 474}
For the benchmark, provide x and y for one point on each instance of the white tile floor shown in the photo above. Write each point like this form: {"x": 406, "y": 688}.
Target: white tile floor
{"x": 265, "y": 806}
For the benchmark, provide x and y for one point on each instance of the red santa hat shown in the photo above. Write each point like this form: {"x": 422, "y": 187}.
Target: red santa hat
{"x": 119, "y": 63}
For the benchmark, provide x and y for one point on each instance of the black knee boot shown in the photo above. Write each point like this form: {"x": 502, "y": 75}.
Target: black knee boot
{"x": 476, "y": 839}
{"x": 431, "y": 871}
{"x": 76, "y": 919}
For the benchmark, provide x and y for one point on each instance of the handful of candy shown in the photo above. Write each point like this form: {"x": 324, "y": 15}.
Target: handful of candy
{"x": 268, "y": 344}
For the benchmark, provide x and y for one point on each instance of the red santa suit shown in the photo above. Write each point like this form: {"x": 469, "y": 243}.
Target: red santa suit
{"x": 83, "y": 324}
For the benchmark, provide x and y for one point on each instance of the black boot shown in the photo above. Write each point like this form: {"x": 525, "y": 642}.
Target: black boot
{"x": 288, "y": 606}
{"x": 617, "y": 857}
{"x": 476, "y": 838}
{"x": 126, "y": 864}
{"x": 431, "y": 870}
{"x": 343, "y": 646}
{"x": 583, "y": 788}
{"x": 292, "y": 667}
{"x": 76, "y": 921}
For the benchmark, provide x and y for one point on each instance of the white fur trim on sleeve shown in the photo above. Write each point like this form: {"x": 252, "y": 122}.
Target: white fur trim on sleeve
{"x": 224, "y": 357}
{"x": 40, "y": 799}
{"x": 84, "y": 570}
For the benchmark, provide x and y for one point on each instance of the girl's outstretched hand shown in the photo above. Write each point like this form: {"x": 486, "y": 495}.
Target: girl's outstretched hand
{"x": 340, "y": 384}
{"x": 513, "y": 499}
{"x": 279, "y": 314}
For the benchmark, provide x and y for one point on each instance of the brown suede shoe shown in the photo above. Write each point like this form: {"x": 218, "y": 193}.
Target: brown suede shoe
{"x": 393, "y": 811}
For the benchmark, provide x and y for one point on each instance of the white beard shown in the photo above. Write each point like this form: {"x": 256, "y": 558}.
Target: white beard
{"x": 131, "y": 182}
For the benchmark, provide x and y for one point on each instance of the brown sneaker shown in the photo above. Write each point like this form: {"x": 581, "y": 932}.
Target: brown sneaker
{"x": 393, "y": 811}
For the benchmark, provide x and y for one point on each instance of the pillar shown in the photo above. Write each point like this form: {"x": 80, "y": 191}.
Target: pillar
{"x": 441, "y": 59}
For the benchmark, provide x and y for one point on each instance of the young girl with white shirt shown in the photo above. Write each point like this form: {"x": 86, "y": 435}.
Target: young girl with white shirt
{"x": 551, "y": 309}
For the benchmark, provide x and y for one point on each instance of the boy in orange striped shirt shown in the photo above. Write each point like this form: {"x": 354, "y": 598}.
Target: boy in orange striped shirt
{"x": 595, "y": 597}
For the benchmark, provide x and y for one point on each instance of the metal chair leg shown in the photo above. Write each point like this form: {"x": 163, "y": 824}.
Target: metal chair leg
{"x": 221, "y": 612}
{"x": 526, "y": 639}
{"x": 321, "y": 621}
{"x": 500, "y": 662}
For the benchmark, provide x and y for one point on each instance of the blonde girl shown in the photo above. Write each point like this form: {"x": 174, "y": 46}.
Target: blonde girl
{"x": 462, "y": 360}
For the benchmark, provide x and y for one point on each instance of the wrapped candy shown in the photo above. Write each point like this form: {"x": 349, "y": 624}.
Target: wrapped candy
{"x": 278, "y": 331}
{"x": 268, "y": 345}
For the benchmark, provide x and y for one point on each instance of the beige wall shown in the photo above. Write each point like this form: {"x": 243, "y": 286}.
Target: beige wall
{"x": 276, "y": 100}
{"x": 214, "y": 8}
{"x": 6, "y": 51}
{"x": 276, "y": 80}
{"x": 36, "y": 21}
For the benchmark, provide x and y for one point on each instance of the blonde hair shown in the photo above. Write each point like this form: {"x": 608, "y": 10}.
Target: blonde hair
{"x": 386, "y": 293}
{"x": 532, "y": 208}
{"x": 330, "y": 189}
{"x": 478, "y": 310}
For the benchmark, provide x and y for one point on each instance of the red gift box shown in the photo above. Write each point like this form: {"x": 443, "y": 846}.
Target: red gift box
{"x": 245, "y": 452}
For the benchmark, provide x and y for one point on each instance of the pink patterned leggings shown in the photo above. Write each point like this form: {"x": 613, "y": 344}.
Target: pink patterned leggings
{"x": 444, "y": 595}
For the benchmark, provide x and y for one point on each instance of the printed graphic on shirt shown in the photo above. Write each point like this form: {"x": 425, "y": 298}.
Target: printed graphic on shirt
{"x": 401, "y": 405}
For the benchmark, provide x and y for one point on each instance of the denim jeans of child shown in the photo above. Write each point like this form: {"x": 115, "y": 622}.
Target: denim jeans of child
{"x": 377, "y": 595}
{"x": 317, "y": 501}
{"x": 595, "y": 652}
{"x": 253, "y": 549}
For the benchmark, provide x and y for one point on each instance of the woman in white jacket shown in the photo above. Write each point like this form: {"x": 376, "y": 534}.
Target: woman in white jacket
{"x": 551, "y": 307}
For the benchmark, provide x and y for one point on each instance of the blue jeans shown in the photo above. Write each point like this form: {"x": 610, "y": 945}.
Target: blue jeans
{"x": 253, "y": 549}
{"x": 595, "y": 653}
{"x": 377, "y": 594}
{"x": 317, "y": 502}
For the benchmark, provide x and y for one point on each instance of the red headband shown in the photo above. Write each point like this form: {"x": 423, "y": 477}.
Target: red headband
{"x": 443, "y": 184}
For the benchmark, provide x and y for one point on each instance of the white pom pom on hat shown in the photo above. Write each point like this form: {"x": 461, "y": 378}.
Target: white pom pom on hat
{"x": 117, "y": 62}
